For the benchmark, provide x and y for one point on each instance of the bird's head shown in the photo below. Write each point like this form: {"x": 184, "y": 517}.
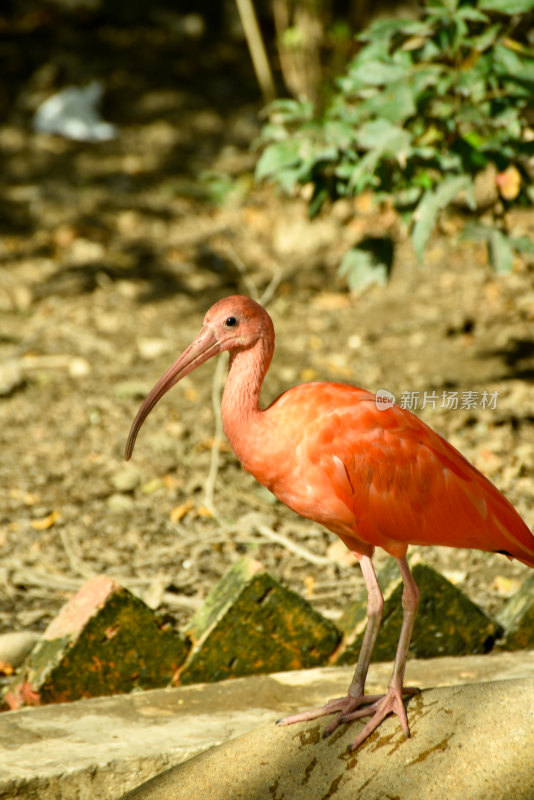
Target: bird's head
{"x": 234, "y": 323}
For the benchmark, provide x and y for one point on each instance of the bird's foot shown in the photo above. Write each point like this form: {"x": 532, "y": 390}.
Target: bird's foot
{"x": 348, "y": 708}
{"x": 389, "y": 703}
{"x": 342, "y": 706}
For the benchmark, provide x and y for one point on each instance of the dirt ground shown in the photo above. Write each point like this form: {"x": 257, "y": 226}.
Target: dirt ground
{"x": 111, "y": 253}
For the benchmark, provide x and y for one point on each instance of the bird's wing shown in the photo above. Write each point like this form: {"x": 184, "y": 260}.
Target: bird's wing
{"x": 405, "y": 484}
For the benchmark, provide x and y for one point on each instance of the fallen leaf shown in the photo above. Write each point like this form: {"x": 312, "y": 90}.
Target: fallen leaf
{"x": 44, "y": 523}
{"x": 204, "y": 511}
{"x": 179, "y": 512}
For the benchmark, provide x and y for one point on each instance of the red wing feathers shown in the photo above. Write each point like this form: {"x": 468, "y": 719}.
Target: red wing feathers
{"x": 404, "y": 484}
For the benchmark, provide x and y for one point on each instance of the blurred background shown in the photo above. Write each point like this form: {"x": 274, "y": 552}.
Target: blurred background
{"x": 129, "y": 204}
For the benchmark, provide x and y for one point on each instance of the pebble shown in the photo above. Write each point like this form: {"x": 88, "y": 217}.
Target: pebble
{"x": 150, "y": 349}
{"x": 11, "y": 377}
{"x": 120, "y": 503}
{"x": 15, "y": 646}
{"x": 126, "y": 479}
{"x": 79, "y": 367}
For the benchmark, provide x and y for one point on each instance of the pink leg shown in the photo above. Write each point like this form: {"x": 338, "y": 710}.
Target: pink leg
{"x": 391, "y": 702}
{"x": 356, "y": 695}
{"x": 357, "y": 704}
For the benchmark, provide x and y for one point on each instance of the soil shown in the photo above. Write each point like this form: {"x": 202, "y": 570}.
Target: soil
{"x": 110, "y": 255}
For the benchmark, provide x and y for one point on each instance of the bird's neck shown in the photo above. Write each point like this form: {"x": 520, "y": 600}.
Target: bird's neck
{"x": 240, "y": 408}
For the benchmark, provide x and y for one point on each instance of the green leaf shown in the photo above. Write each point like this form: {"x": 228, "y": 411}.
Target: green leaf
{"x": 381, "y": 135}
{"x": 523, "y": 244}
{"x": 432, "y": 202}
{"x": 472, "y": 14}
{"x": 340, "y": 133}
{"x": 362, "y": 270}
{"x": 378, "y": 73}
{"x": 500, "y": 251}
{"x": 289, "y": 110}
{"x": 508, "y": 7}
{"x": 475, "y": 231}
{"x": 361, "y": 174}
{"x": 394, "y": 103}
{"x": 320, "y": 197}
{"x": 486, "y": 38}
{"x": 276, "y": 157}
{"x": 505, "y": 58}
{"x": 383, "y": 30}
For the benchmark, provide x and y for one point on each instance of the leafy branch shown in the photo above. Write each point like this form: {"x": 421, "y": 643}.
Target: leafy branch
{"x": 425, "y": 108}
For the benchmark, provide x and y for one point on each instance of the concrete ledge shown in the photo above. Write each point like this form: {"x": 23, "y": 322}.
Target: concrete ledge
{"x": 471, "y": 742}
{"x": 103, "y": 747}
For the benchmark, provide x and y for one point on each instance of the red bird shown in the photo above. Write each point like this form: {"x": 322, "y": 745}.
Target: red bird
{"x": 373, "y": 477}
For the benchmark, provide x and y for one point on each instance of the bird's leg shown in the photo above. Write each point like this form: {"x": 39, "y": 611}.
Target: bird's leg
{"x": 356, "y": 696}
{"x": 391, "y": 702}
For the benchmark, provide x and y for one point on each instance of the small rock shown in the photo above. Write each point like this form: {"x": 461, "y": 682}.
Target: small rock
{"x": 84, "y": 251}
{"x": 11, "y": 377}
{"x": 79, "y": 368}
{"x": 15, "y": 646}
{"x": 150, "y": 349}
{"x": 517, "y": 618}
{"x": 120, "y": 503}
{"x": 126, "y": 479}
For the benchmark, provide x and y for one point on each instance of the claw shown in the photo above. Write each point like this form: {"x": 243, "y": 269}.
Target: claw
{"x": 343, "y": 705}
{"x": 391, "y": 703}
{"x": 347, "y": 708}
{"x": 377, "y": 706}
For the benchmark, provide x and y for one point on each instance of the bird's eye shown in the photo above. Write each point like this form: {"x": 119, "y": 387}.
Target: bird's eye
{"x": 231, "y": 322}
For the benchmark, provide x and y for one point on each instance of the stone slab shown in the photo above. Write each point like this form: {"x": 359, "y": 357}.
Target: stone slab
{"x": 448, "y": 623}
{"x": 252, "y": 624}
{"x": 103, "y": 641}
{"x": 102, "y": 747}
{"x": 474, "y": 741}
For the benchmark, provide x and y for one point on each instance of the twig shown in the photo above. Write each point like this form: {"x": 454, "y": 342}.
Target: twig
{"x": 267, "y": 295}
{"x": 297, "y": 549}
{"x": 272, "y": 286}
{"x": 256, "y": 48}
{"x": 76, "y": 563}
{"x": 45, "y": 580}
{"x": 181, "y": 601}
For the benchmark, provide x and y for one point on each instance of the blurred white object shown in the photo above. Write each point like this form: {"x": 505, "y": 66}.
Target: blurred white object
{"x": 72, "y": 113}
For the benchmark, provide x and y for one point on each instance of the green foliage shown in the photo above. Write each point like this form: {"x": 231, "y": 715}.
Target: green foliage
{"x": 425, "y": 106}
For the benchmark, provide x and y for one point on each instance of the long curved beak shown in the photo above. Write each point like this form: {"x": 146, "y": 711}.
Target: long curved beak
{"x": 201, "y": 349}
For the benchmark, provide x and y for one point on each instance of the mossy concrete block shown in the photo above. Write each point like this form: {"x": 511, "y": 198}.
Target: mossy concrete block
{"x": 447, "y": 622}
{"x": 103, "y": 641}
{"x": 251, "y": 624}
{"x": 517, "y": 618}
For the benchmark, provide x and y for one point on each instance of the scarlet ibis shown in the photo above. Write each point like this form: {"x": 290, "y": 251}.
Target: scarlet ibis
{"x": 373, "y": 476}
